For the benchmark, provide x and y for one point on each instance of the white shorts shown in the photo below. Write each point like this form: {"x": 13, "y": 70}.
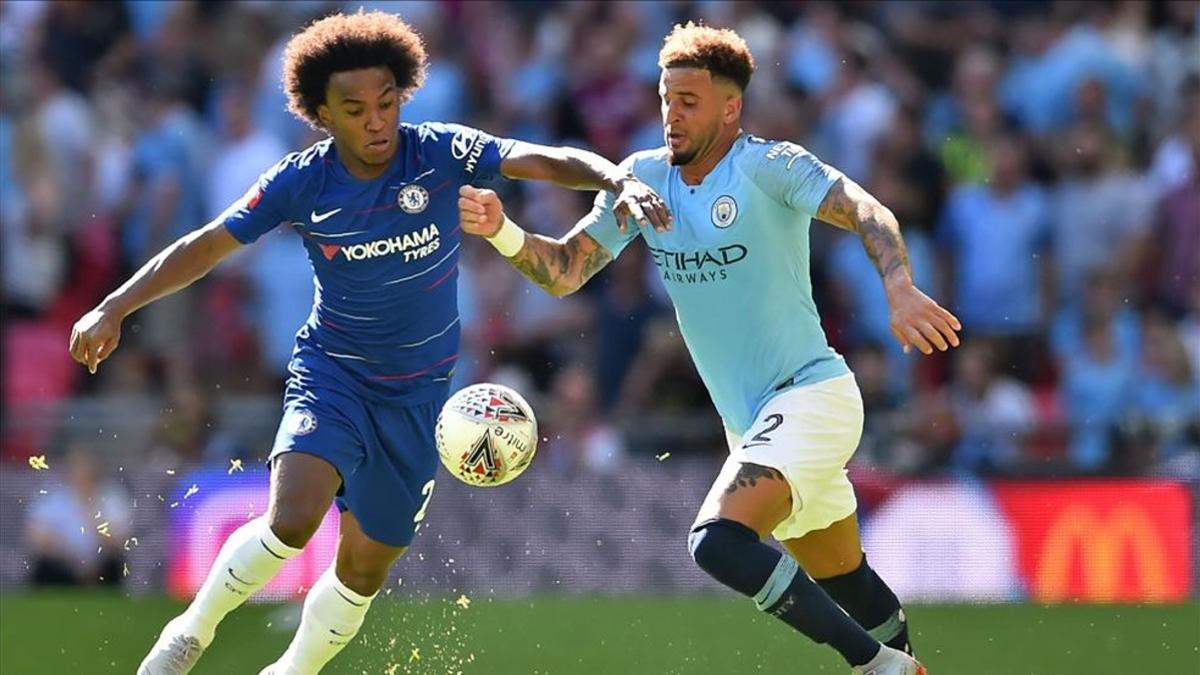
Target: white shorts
{"x": 809, "y": 434}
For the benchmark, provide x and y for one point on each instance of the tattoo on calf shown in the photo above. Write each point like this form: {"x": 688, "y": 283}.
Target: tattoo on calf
{"x": 748, "y": 476}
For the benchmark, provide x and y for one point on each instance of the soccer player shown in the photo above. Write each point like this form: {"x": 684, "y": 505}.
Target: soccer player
{"x": 735, "y": 260}
{"x": 375, "y": 205}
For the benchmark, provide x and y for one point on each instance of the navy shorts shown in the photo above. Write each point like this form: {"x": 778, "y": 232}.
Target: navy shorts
{"x": 385, "y": 453}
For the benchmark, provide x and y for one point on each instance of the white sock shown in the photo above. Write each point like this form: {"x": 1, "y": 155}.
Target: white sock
{"x": 249, "y": 559}
{"x": 885, "y": 656}
{"x": 331, "y": 618}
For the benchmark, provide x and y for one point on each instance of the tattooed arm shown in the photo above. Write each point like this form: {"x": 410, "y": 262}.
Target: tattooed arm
{"x": 852, "y": 208}
{"x": 916, "y": 320}
{"x": 560, "y": 266}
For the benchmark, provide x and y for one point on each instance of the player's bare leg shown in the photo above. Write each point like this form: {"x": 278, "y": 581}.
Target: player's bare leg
{"x": 302, "y": 488}
{"x": 833, "y": 557}
{"x": 746, "y": 502}
{"x": 337, "y": 604}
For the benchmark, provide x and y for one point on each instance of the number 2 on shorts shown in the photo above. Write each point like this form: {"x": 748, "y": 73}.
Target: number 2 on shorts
{"x": 427, "y": 491}
{"x": 773, "y": 422}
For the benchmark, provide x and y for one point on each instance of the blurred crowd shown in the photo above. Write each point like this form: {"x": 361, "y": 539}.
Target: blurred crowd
{"x": 1041, "y": 158}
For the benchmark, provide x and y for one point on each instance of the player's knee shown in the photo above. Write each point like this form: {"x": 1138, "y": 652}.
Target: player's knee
{"x": 362, "y": 578}
{"x": 713, "y": 542}
{"x": 295, "y": 524}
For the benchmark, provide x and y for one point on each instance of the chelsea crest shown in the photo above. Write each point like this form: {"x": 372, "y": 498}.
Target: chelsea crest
{"x": 413, "y": 198}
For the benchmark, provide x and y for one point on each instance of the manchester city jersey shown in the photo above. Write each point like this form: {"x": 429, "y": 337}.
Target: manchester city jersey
{"x": 384, "y": 253}
{"x": 736, "y": 265}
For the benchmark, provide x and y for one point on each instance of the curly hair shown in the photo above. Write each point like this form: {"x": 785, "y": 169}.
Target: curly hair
{"x": 349, "y": 42}
{"x": 720, "y": 51}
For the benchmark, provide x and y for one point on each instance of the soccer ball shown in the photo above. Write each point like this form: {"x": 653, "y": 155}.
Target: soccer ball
{"x": 486, "y": 435}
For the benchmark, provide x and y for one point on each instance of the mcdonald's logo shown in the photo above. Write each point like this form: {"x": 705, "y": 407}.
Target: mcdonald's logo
{"x": 1104, "y": 547}
{"x": 1101, "y": 540}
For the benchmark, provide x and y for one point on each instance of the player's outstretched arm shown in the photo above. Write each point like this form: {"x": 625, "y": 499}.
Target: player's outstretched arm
{"x": 578, "y": 169}
{"x": 916, "y": 320}
{"x": 561, "y": 266}
{"x": 97, "y": 333}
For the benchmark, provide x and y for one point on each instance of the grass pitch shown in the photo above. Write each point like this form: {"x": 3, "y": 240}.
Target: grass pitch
{"x": 81, "y": 633}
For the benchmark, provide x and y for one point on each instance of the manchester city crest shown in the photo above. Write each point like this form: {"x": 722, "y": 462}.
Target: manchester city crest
{"x": 724, "y": 211}
{"x": 413, "y": 198}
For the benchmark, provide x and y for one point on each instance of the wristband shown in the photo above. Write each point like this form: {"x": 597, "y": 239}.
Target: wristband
{"x": 509, "y": 239}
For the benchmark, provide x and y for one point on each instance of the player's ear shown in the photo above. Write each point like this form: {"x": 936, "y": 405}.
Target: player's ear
{"x": 324, "y": 116}
{"x": 733, "y": 108}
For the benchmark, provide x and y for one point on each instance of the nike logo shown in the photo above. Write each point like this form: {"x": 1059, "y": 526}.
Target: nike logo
{"x": 318, "y": 217}
{"x": 239, "y": 580}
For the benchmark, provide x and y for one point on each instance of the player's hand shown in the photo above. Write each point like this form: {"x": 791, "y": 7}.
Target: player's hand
{"x": 94, "y": 337}
{"x": 918, "y": 321}
{"x": 480, "y": 211}
{"x": 640, "y": 202}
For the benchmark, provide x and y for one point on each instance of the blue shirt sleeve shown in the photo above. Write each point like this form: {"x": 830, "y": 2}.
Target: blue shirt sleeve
{"x": 792, "y": 175}
{"x": 263, "y": 207}
{"x": 601, "y": 222}
{"x": 477, "y": 154}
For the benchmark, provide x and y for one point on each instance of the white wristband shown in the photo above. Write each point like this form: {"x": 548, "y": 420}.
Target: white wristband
{"x": 509, "y": 239}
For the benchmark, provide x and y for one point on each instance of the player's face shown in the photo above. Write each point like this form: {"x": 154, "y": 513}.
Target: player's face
{"x": 695, "y": 109}
{"x": 361, "y": 110}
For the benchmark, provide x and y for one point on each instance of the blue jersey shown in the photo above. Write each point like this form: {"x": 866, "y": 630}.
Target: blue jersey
{"x": 736, "y": 264}
{"x": 384, "y": 253}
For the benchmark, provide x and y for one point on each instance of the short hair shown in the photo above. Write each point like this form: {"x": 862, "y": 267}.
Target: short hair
{"x": 342, "y": 42}
{"x": 720, "y": 51}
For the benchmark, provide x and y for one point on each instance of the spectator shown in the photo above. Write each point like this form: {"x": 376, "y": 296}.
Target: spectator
{"x": 243, "y": 152}
{"x": 35, "y": 248}
{"x": 855, "y": 115}
{"x": 994, "y": 237}
{"x": 76, "y": 531}
{"x": 994, "y": 412}
{"x": 1099, "y": 210}
{"x": 1052, "y": 59}
{"x": 579, "y": 436}
{"x": 1166, "y": 392}
{"x": 1175, "y": 241}
{"x": 624, "y": 307}
{"x": 1095, "y": 389}
{"x": 189, "y": 432}
{"x": 976, "y": 71}
{"x": 662, "y": 387}
{"x": 1105, "y": 303}
{"x": 886, "y": 423}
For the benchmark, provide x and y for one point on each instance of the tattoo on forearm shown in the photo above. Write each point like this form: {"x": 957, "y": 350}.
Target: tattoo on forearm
{"x": 559, "y": 267}
{"x": 881, "y": 237}
{"x": 852, "y": 208}
{"x": 748, "y": 476}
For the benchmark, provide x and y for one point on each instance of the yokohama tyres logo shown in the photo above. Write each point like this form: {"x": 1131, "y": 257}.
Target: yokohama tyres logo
{"x": 413, "y": 245}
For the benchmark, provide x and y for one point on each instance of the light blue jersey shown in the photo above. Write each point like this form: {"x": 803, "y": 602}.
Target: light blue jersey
{"x": 736, "y": 263}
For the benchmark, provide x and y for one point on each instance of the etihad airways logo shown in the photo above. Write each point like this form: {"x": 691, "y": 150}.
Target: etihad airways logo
{"x": 414, "y": 246}
{"x": 698, "y": 266}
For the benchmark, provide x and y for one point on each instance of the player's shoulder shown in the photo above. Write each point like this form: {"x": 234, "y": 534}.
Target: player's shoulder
{"x": 647, "y": 165}
{"x": 458, "y": 138}
{"x": 447, "y": 143}
{"x": 752, "y": 153}
{"x": 299, "y": 167}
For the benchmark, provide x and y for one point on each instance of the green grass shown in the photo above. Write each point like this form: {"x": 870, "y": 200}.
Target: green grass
{"x": 80, "y": 633}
